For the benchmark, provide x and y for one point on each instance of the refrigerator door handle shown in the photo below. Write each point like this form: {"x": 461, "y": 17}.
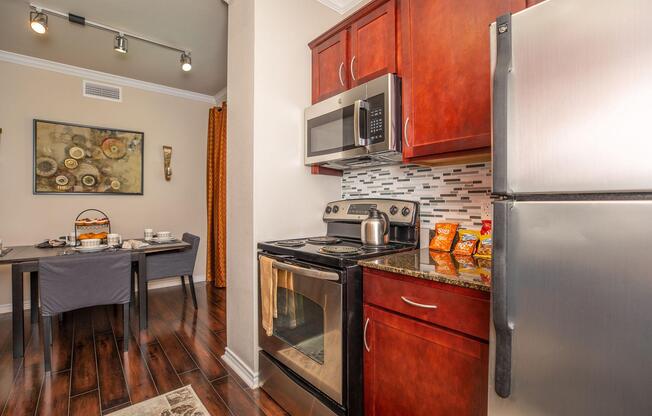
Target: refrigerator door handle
{"x": 500, "y": 102}
{"x": 502, "y": 326}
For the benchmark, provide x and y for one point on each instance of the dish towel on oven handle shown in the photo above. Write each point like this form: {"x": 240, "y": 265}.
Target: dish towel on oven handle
{"x": 268, "y": 282}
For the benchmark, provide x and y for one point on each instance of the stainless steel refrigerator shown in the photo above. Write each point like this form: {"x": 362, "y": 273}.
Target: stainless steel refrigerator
{"x": 572, "y": 171}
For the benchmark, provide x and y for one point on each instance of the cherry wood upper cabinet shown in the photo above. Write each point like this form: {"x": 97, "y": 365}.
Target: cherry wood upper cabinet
{"x": 372, "y": 44}
{"x": 330, "y": 67}
{"x": 413, "y": 368}
{"x": 446, "y": 73}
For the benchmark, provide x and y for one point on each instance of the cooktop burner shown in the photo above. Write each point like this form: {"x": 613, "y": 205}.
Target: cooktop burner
{"x": 340, "y": 250}
{"x": 324, "y": 240}
{"x": 300, "y": 242}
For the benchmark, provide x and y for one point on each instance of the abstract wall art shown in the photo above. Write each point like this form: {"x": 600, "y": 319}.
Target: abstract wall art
{"x": 76, "y": 159}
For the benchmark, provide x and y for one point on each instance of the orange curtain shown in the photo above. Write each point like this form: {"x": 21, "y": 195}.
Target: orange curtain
{"x": 216, "y": 197}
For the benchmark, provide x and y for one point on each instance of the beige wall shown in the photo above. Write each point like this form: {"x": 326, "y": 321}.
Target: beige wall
{"x": 179, "y": 205}
{"x": 271, "y": 38}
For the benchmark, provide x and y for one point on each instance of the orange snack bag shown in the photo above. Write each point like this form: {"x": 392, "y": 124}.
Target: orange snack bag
{"x": 443, "y": 263}
{"x": 444, "y": 236}
{"x": 467, "y": 243}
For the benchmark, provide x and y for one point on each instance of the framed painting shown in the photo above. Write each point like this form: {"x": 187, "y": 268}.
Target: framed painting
{"x": 77, "y": 159}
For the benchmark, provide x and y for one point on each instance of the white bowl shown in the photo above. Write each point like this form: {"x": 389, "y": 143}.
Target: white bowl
{"x": 164, "y": 234}
{"x": 90, "y": 242}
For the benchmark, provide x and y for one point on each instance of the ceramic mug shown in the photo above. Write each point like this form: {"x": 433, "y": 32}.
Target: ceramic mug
{"x": 164, "y": 235}
{"x": 114, "y": 239}
{"x": 149, "y": 233}
{"x": 90, "y": 242}
{"x": 71, "y": 239}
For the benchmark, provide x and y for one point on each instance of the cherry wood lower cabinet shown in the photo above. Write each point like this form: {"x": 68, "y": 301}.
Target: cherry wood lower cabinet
{"x": 415, "y": 367}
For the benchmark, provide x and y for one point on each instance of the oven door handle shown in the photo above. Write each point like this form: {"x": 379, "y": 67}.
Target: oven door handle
{"x": 317, "y": 274}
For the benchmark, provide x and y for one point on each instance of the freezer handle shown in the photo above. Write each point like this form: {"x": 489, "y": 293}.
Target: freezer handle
{"x": 502, "y": 326}
{"x": 503, "y": 39}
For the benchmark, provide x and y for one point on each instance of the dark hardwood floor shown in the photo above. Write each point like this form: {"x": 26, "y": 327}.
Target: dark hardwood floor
{"x": 92, "y": 376}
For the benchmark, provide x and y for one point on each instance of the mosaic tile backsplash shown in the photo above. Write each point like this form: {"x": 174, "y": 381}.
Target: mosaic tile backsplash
{"x": 459, "y": 193}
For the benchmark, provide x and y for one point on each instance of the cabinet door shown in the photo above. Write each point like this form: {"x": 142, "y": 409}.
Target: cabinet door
{"x": 446, "y": 73}
{"x": 413, "y": 368}
{"x": 373, "y": 44}
{"x": 329, "y": 67}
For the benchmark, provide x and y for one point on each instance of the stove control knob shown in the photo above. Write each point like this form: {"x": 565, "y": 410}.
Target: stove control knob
{"x": 393, "y": 210}
{"x": 405, "y": 211}
{"x": 335, "y": 209}
{"x": 328, "y": 209}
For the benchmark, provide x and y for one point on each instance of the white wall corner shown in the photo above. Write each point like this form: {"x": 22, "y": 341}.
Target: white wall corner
{"x": 248, "y": 375}
{"x": 340, "y": 6}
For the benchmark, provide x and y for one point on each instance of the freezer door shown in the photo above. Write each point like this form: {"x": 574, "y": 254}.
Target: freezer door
{"x": 573, "y": 82}
{"x": 579, "y": 299}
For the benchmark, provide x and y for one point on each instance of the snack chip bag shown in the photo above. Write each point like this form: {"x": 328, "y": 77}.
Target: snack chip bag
{"x": 467, "y": 243}
{"x": 486, "y": 227}
{"x": 444, "y": 236}
{"x": 443, "y": 263}
{"x": 485, "y": 247}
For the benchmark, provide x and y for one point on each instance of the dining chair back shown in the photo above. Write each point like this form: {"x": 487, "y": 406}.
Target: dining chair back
{"x": 78, "y": 281}
{"x": 181, "y": 263}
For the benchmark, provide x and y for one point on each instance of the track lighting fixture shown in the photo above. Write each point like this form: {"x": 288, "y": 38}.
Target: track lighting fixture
{"x": 186, "y": 61}
{"x": 120, "y": 43}
{"x": 38, "y": 18}
{"x": 38, "y": 21}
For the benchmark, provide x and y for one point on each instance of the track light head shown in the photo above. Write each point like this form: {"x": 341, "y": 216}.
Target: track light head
{"x": 120, "y": 43}
{"x": 186, "y": 61}
{"x": 38, "y": 21}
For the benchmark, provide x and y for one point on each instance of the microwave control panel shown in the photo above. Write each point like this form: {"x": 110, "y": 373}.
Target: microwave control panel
{"x": 376, "y": 118}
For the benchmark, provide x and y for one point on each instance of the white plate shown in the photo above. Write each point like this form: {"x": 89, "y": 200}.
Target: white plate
{"x": 162, "y": 240}
{"x": 91, "y": 249}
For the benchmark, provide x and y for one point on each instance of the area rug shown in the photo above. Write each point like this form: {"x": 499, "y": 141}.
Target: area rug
{"x": 181, "y": 401}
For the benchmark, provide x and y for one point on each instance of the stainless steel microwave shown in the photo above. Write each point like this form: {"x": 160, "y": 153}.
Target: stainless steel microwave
{"x": 357, "y": 128}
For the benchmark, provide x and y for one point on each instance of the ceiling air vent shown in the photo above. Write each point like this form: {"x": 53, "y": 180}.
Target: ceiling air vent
{"x": 102, "y": 91}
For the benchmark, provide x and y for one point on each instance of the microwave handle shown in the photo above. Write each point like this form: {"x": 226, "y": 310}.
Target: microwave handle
{"x": 360, "y": 133}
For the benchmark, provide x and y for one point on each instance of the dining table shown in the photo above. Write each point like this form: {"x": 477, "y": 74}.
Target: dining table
{"x": 24, "y": 259}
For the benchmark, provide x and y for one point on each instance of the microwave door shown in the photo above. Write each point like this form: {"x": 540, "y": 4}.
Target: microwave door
{"x": 332, "y": 136}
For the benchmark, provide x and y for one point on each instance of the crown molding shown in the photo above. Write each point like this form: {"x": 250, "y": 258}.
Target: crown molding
{"x": 220, "y": 97}
{"x": 340, "y": 6}
{"x": 90, "y": 74}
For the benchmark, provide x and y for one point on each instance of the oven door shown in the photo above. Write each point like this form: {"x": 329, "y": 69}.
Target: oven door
{"x": 307, "y": 327}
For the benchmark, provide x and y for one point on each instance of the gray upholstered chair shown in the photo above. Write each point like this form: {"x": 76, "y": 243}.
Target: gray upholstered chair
{"x": 181, "y": 263}
{"x": 78, "y": 281}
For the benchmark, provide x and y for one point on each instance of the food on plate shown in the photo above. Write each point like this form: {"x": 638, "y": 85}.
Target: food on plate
{"x": 87, "y": 236}
{"x": 466, "y": 243}
{"x": 444, "y": 236}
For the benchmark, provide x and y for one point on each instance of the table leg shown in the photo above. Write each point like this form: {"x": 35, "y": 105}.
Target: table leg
{"x": 142, "y": 291}
{"x": 17, "y": 310}
{"x": 33, "y": 290}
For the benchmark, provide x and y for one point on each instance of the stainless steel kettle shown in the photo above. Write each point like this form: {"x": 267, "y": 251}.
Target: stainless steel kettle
{"x": 374, "y": 230}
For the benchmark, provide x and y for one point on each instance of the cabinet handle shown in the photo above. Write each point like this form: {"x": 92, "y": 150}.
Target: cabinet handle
{"x": 405, "y": 132}
{"x": 419, "y": 305}
{"x": 340, "y": 73}
{"x": 364, "y": 335}
{"x": 352, "y": 61}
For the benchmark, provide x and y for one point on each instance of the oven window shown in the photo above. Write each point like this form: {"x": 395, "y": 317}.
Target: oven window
{"x": 300, "y": 323}
{"x": 331, "y": 133}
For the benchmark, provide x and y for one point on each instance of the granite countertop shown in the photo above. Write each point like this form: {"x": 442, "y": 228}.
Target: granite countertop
{"x": 465, "y": 271}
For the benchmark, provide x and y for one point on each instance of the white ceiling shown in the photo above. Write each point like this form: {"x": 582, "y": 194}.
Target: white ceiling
{"x": 197, "y": 25}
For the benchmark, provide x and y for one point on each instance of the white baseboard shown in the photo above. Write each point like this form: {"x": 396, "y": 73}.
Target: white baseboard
{"x": 157, "y": 284}
{"x": 246, "y": 374}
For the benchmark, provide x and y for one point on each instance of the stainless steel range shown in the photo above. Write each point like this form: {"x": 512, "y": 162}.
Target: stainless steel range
{"x": 311, "y": 358}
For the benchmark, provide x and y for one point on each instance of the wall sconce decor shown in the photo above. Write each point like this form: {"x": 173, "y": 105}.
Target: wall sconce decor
{"x": 167, "y": 160}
